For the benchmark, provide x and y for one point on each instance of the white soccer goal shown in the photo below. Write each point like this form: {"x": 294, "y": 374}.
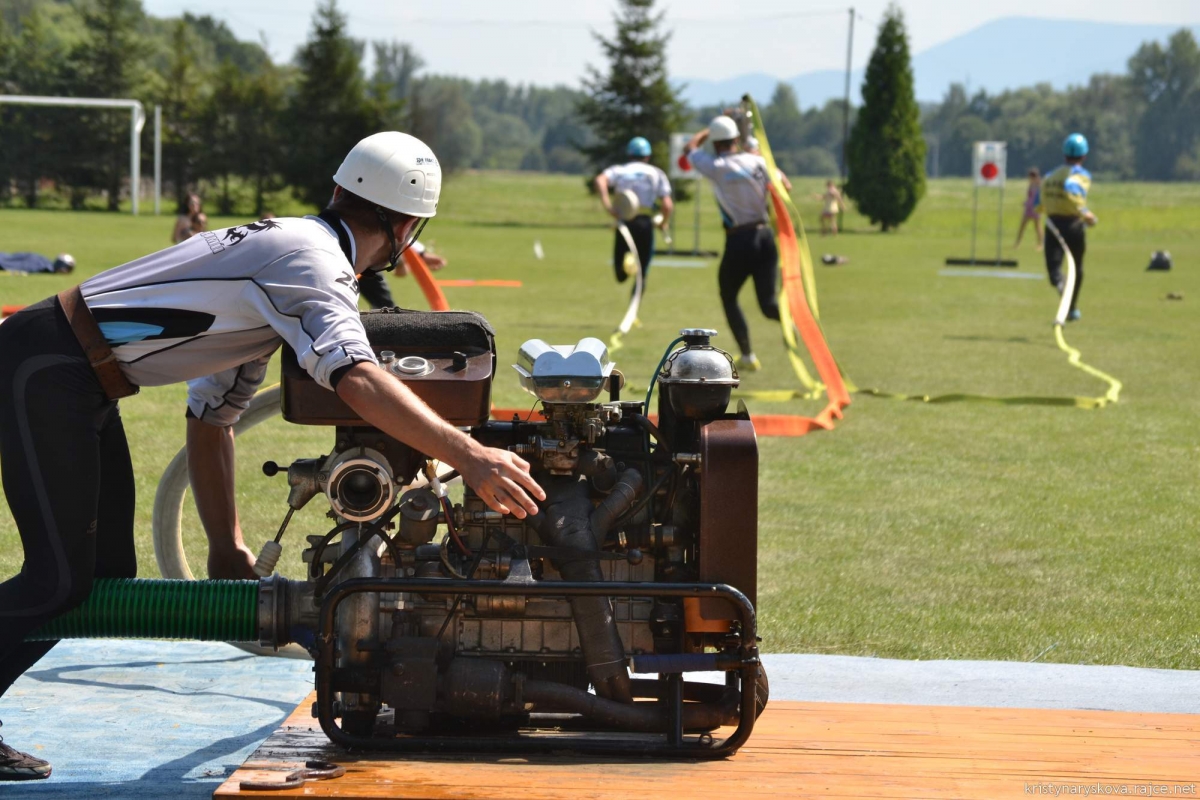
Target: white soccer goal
{"x": 137, "y": 121}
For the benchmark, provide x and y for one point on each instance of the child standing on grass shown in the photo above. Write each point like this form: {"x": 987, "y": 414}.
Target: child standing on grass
{"x": 833, "y": 204}
{"x": 1031, "y": 212}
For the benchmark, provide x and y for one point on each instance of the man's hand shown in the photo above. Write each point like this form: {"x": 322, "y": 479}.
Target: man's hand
{"x": 668, "y": 208}
{"x": 232, "y": 564}
{"x": 1089, "y": 219}
{"x": 434, "y": 261}
{"x": 502, "y": 480}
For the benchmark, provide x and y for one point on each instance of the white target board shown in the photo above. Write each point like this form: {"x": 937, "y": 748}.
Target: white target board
{"x": 990, "y": 163}
{"x": 680, "y": 167}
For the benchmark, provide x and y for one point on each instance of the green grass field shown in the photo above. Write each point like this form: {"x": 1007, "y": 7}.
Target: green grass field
{"x": 962, "y": 531}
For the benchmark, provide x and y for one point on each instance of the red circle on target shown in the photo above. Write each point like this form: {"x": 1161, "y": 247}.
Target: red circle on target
{"x": 684, "y": 163}
{"x": 989, "y": 171}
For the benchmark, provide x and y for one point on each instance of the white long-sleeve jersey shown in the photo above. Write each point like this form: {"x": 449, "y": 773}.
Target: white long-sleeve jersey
{"x": 211, "y": 310}
{"x": 739, "y": 181}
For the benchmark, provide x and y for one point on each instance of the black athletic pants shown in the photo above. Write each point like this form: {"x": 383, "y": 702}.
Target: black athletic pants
{"x": 68, "y": 480}
{"x": 749, "y": 253}
{"x": 374, "y": 288}
{"x": 641, "y": 230}
{"x": 1074, "y": 234}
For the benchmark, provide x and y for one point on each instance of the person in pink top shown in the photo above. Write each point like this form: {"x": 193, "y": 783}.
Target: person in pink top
{"x": 1031, "y": 214}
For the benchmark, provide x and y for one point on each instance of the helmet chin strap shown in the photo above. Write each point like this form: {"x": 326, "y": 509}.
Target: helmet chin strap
{"x": 396, "y": 248}
{"x": 390, "y": 232}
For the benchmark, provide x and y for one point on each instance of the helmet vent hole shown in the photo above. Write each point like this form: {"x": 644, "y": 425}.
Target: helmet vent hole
{"x": 360, "y": 180}
{"x": 413, "y": 181}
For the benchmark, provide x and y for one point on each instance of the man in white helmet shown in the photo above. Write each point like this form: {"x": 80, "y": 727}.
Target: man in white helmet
{"x": 210, "y": 311}
{"x": 740, "y": 181}
{"x": 631, "y": 192}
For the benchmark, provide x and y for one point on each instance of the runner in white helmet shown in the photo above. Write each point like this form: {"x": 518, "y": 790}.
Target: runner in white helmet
{"x": 631, "y": 192}
{"x": 210, "y": 311}
{"x": 740, "y": 181}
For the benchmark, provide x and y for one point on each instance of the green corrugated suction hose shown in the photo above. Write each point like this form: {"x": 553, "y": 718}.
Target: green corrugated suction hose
{"x": 130, "y": 608}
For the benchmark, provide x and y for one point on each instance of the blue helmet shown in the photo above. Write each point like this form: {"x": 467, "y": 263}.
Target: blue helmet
{"x": 638, "y": 147}
{"x": 1075, "y": 146}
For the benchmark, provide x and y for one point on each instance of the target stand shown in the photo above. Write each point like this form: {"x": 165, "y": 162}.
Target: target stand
{"x": 989, "y": 166}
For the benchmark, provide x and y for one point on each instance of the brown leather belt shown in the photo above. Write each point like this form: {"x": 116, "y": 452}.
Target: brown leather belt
{"x": 749, "y": 226}
{"x": 98, "y": 353}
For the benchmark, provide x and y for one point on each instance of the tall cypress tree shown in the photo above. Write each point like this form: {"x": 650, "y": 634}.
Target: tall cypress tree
{"x": 634, "y": 98}
{"x": 886, "y": 149}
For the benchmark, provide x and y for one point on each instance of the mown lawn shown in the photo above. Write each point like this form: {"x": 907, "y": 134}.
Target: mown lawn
{"x": 963, "y": 530}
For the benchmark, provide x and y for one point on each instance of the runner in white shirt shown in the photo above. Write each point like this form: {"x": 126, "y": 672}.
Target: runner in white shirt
{"x": 652, "y": 188}
{"x": 211, "y": 311}
{"x": 740, "y": 183}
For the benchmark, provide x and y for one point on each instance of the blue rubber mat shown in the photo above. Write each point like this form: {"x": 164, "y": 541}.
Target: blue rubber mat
{"x": 146, "y": 719}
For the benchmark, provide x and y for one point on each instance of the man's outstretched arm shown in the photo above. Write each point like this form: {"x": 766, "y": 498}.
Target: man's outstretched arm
{"x": 210, "y": 467}
{"x": 500, "y": 478}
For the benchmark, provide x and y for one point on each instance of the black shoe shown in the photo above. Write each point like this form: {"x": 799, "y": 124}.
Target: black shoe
{"x": 18, "y": 766}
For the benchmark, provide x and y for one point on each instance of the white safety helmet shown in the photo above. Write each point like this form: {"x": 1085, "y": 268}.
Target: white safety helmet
{"x": 722, "y": 129}
{"x": 395, "y": 171}
{"x": 751, "y": 143}
{"x": 625, "y": 203}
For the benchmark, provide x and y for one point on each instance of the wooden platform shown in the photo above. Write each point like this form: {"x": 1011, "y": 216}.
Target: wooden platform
{"x": 841, "y": 750}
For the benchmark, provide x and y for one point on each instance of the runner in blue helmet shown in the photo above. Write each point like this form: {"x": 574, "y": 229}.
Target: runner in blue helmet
{"x": 1062, "y": 197}
{"x": 653, "y": 191}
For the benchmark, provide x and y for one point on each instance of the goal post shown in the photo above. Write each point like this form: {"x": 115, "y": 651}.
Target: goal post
{"x": 137, "y": 121}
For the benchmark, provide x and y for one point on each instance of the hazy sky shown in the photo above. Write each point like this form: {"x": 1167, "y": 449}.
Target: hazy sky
{"x": 549, "y": 41}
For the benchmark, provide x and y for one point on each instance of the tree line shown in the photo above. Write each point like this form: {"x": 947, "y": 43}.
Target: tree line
{"x": 1143, "y": 124}
{"x": 243, "y": 126}
{"x": 251, "y": 130}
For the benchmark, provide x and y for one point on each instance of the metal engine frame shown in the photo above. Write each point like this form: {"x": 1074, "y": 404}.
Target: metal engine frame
{"x": 675, "y": 743}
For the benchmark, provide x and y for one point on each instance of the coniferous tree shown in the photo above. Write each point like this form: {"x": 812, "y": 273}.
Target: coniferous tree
{"x": 108, "y": 63}
{"x": 31, "y": 148}
{"x": 180, "y": 91}
{"x": 886, "y": 148}
{"x": 263, "y": 103}
{"x": 634, "y": 98}
{"x": 330, "y": 110}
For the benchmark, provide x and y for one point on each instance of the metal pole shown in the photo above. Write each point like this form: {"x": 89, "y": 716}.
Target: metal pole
{"x": 135, "y": 158}
{"x": 671, "y": 247}
{"x": 846, "y": 106}
{"x": 157, "y": 160}
{"x": 1000, "y": 222}
{"x": 696, "y": 236}
{"x": 974, "y": 222}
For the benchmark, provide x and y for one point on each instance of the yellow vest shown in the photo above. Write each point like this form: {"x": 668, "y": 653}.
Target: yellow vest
{"x": 1064, "y": 191}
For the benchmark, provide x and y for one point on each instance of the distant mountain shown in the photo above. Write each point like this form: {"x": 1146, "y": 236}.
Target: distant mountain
{"x": 1003, "y": 54}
